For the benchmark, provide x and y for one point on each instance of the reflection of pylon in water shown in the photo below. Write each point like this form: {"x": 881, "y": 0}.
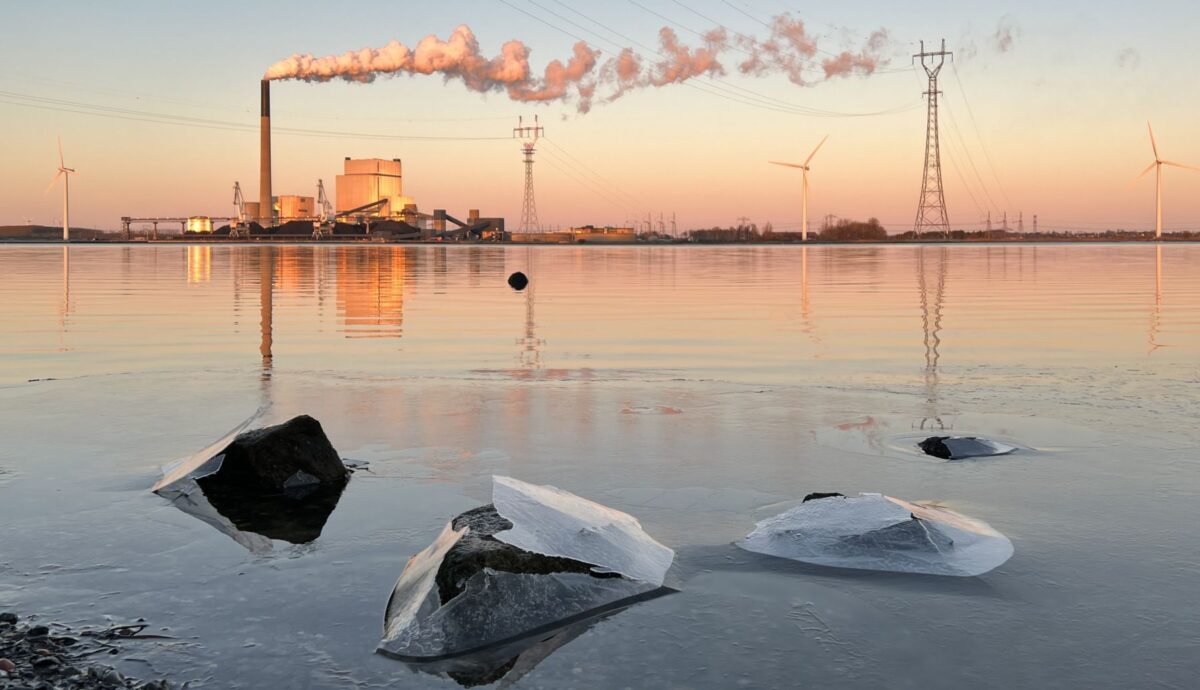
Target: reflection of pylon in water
{"x": 931, "y": 321}
{"x": 531, "y": 355}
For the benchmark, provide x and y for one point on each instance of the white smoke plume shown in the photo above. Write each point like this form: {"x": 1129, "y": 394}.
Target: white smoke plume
{"x": 788, "y": 49}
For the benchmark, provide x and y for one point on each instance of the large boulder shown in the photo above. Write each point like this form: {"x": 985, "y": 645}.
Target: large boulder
{"x": 279, "y": 482}
{"x": 534, "y": 562}
{"x": 275, "y": 459}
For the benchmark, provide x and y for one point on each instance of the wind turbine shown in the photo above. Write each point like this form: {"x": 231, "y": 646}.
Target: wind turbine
{"x": 804, "y": 194}
{"x": 1157, "y": 167}
{"x": 65, "y": 173}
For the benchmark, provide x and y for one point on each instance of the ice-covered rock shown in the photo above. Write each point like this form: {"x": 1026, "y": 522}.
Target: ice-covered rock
{"x": 877, "y": 532}
{"x": 278, "y": 482}
{"x": 958, "y": 447}
{"x": 537, "y": 561}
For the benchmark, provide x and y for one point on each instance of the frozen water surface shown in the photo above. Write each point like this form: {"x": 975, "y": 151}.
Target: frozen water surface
{"x": 423, "y": 362}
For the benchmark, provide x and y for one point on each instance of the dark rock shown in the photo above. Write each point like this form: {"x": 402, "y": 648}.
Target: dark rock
{"x": 478, "y": 549}
{"x": 37, "y": 631}
{"x": 111, "y": 678}
{"x": 8, "y": 617}
{"x": 818, "y": 496}
{"x": 960, "y": 447}
{"x": 46, "y": 663}
{"x": 518, "y": 281}
{"x": 936, "y": 446}
{"x": 275, "y": 459}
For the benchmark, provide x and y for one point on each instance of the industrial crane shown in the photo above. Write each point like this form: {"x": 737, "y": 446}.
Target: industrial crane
{"x": 239, "y": 229}
{"x": 324, "y": 224}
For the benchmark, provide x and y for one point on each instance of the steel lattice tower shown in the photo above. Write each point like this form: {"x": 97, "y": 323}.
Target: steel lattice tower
{"x": 529, "y": 219}
{"x": 931, "y": 211}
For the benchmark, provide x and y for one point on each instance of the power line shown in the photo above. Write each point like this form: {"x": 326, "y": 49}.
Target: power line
{"x": 962, "y": 142}
{"x": 962, "y": 91}
{"x": 292, "y": 112}
{"x": 584, "y": 168}
{"x": 81, "y": 108}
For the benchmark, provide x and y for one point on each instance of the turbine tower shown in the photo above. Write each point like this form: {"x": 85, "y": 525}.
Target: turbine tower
{"x": 529, "y": 135}
{"x": 804, "y": 189}
{"x": 931, "y": 211}
{"x": 65, "y": 173}
{"x": 1157, "y": 167}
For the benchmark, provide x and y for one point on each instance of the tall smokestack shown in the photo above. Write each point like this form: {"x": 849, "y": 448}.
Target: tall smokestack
{"x": 265, "y": 205}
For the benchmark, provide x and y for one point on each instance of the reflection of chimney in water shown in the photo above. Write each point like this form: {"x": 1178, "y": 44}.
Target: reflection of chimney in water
{"x": 265, "y": 203}
{"x": 266, "y": 299}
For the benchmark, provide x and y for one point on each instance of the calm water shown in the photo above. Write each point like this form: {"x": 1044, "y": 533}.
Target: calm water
{"x": 696, "y": 388}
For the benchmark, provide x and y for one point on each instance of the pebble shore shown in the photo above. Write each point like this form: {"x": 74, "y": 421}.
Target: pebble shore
{"x": 42, "y": 657}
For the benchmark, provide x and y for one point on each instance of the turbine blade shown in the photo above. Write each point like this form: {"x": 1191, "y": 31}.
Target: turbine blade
{"x": 1185, "y": 166}
{"x": 787, "y": 165}
{"x": 1153, "y": 144}
{"x": 1144, "y": 173}
{"x": 60, "y": 156}
{"x": 810, "y": 156}
{"x": 53, "y": 182}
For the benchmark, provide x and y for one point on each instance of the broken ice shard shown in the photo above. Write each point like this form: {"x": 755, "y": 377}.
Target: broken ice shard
{"x": 535, "y": 562}
{"x": 958, "y": 447}
{"x": 877, "y": 532}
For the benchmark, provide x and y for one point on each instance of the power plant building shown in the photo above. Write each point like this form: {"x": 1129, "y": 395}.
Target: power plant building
{"x": 293, "y": 207}
{"x": 371, "y": 187}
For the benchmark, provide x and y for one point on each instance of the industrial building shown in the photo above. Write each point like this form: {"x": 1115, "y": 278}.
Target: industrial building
{"x": 372, "y": 188}
{"x": 198, "y": 224}
{"x": 293, "y": 207}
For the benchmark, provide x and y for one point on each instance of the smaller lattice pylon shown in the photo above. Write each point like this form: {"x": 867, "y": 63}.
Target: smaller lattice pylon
{"x": 529, "y": 136}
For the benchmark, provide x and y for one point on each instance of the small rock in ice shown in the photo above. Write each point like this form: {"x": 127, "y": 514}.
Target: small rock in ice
{"x": 958, "y": 447}
{"x": 877, "y": 532}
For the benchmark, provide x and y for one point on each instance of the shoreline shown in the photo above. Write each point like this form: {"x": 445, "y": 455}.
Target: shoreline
{"x": 427, "y": 243}
{"x": 34, "y": 654}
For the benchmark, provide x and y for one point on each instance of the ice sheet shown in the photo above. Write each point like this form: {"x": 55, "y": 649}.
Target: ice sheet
{"x": 415, "y": 595}
{"x": 207, "y": 460}
{"x": 550, "y": 521}
{"x": 876, "y": 532}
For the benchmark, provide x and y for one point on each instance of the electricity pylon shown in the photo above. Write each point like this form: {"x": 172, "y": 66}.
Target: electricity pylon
{"x": 529, "y": 219}
{"x": 931, "y": 211}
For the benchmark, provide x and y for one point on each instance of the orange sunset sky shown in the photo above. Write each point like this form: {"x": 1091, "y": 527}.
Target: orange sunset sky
{"x": 1044, "y": 111}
